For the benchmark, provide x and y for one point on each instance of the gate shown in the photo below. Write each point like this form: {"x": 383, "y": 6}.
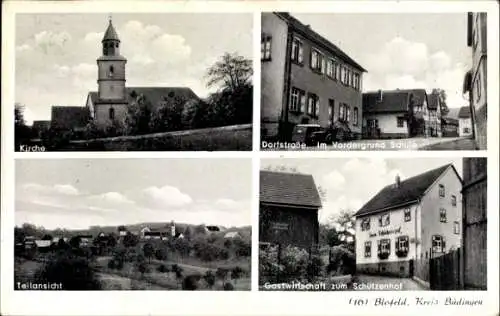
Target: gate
{"x": 444, "y": 272}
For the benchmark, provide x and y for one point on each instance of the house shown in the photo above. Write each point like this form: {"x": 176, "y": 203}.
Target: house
{"x": 158, "y": 235}
{"x": 109, "y": 104}
{"x": 232, "y": 235}
{"x": 464, "y": 122}
{"x": 39, "y": 128}
{"x": 85, "y": 240}
{"x": 29, "y": 242}
{"x": 305, "y": 78}
{"x": 386, "y": 114}
{"x": 288, "y": 209}
{"x": 449, "y": 127}
{"x": 474, "y": 192}
{"x": 475, "y": 80}
{"x": 408, "y": 221}
{"x": 433, "y": 120}
{"x": 69, "y": 118}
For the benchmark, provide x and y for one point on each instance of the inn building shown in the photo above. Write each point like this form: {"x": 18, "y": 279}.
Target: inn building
{"x": 305, "y": 79}
{"x": 416, "y": 218}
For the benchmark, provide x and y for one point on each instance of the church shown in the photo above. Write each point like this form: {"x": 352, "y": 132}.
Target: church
{"x": 109, "y": 104}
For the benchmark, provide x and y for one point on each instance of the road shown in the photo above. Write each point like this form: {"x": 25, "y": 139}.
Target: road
{"x": 378, "y": 282}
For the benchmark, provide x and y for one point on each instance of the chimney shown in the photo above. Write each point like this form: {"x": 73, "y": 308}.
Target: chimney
{"x": 398, "y": 181}
{"x": 380, "y": 95}
{"x": 172, "y": 228}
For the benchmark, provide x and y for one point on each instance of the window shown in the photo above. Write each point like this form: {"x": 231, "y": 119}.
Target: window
{"x": 355, "y": 118}
{"x": 265, "y": 47}
{"x": 453, "y": 200}
{"x": 384, "y": 220}
{"x": 313, "y": 105}
{"x": 407, "y": 214}
{"x": 384, "y": 247}
{"x": 330, "y": 68}
{"x": 111, "y": 113}
{"x": 402, "y": 246}
{"x": 334, "y": 68}
{"x": 372, "y": 123}
{"x": 441, "y": 190}
{"x": 317, "y": 61}
{"x": 368, "y": 249}
{"x": 466, "y": 130}
{"x": 344, "y": 75}
{"x": 438, "y": 243}
{"x": 331, "y": 111}
{"x": 297, "y": 51}
{"x": 456, "y": 228}
{"x": 442, "y": 215}
{"x": 401, "y": 122}
{"x": 365, "y": 224}
{"x": 338, "y": 74}
{"x": 297, "y": 100}
{"x": 344, "y": 112}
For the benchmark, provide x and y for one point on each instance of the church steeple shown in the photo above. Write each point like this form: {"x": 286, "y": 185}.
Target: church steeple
{"x": 110, "y": 41}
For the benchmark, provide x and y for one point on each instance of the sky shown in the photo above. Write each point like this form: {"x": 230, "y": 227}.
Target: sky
{"x": 56, "y": 53}
{"x": 403, "y": 50}
{"x": 78, "y": 193}
{"x": 350, "y": 182}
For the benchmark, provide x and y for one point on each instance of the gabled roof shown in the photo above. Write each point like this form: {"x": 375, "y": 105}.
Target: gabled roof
{"x": 419, "y": 95}
{"x": 408, "y": 192}
{"x": 464, "y": 112}
{"x": 69, "y": 117}
{"x": 153, "y": 94}
{"x": 450, "y": 121}
{"x": 288, "y": 188}
{"x": 110, "y": 33}
{"x": 392, "y": 101}
{"x": 299, "y": 26}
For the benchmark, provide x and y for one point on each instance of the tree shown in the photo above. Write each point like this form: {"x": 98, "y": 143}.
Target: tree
{"x": 130, "y": 240}
{"x": 149, "y": 250}
{"x": 209, "y": 278}
{"x": 236, "y": 273}
{"x": 138, "y": 115}
{"x": 22, "y": 132}
{"x": 75, "y": 241}
{"x": 230, "y": 72}
{"x": 121, "y": 228}
{"x": 442, "y": 101}
{"x": 74, "y": 273}
{"x": 161, "y": 254}
{"x": 190, "y": 282}
{"x": 221, "y": 273}
{"x": 168, "y": 115}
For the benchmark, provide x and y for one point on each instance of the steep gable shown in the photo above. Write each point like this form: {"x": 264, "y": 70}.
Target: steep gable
{"x": 392, "y": 101}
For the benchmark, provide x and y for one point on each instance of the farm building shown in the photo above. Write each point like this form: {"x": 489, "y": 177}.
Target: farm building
{"x": 288, "y": 209}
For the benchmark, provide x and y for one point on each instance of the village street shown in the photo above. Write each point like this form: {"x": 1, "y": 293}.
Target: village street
{"x": 403, "y": 284}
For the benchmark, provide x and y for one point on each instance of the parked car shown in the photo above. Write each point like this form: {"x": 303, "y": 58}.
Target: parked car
{"x": 307, "y": 133}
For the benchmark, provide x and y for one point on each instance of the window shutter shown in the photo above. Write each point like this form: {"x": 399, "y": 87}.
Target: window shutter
{"x": 302, "y": 102}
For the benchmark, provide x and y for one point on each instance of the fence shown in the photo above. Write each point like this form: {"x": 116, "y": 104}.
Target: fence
{"x": 445, "y": 271}
{"x": 226, "y": 138}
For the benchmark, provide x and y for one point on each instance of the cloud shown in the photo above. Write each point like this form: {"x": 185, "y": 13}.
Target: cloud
{"x": 166, "y": 196}
{"x": 35, "y": 189}
{"x": 333, "y": 180}
{"x": 405, "y": 64}
{"x": 66, "y": 189}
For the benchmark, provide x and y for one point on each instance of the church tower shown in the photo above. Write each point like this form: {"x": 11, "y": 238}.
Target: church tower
{"x": 111, "y": 68}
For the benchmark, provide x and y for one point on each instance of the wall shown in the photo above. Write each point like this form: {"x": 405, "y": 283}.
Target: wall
{"x": 464, "y": 123}
{"x": 475, "y": 222}
{"x": 302, "y": 77}
{"x": 431, "y": 204}
{"x": 303, "y": 226}
{"x": 388, "y": 124}
{"x": 102, "y": 114}
{"x": 237, "y": 137}
{"x": 479, "y": 78}
{"x": 396, "y": 221}
{"x": 272, "y": 75}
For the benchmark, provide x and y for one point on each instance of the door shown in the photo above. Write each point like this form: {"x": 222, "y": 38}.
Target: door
{"x": 412, "y": 268}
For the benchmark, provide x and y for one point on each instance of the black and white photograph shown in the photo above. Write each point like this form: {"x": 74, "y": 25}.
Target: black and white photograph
{"x": 416, "y": 224}
{"x": 133, "y": 82}
{"x": 132, "y": 224}
{"x": 373, "y": 81}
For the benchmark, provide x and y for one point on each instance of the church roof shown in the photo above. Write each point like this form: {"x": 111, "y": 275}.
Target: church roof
{"x": 110, "y": 33}
{"x": 153, "y": 94}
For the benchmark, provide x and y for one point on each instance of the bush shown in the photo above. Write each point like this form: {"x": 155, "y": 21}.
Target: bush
{"x": 161, "y": 254}
{"x": 142, "y": 267}
{"x": 221, "y": 273}
{"x": 294, "y": 261}
{"x": 236, "y": 273}
{"x": 74, "y": 273}
{"x": 268, "y": 264}
{"x": 314, "y": 267}
{"x": 228, "y": 286}
{"x": 190, "y": 282}
{"x": 342, "y": 261}
{"x": 163, "y": 268}
{"x": 209, "y": 278}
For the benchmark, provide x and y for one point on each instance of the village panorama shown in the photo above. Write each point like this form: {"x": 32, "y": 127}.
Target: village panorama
{"x": 80, "y": 225}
